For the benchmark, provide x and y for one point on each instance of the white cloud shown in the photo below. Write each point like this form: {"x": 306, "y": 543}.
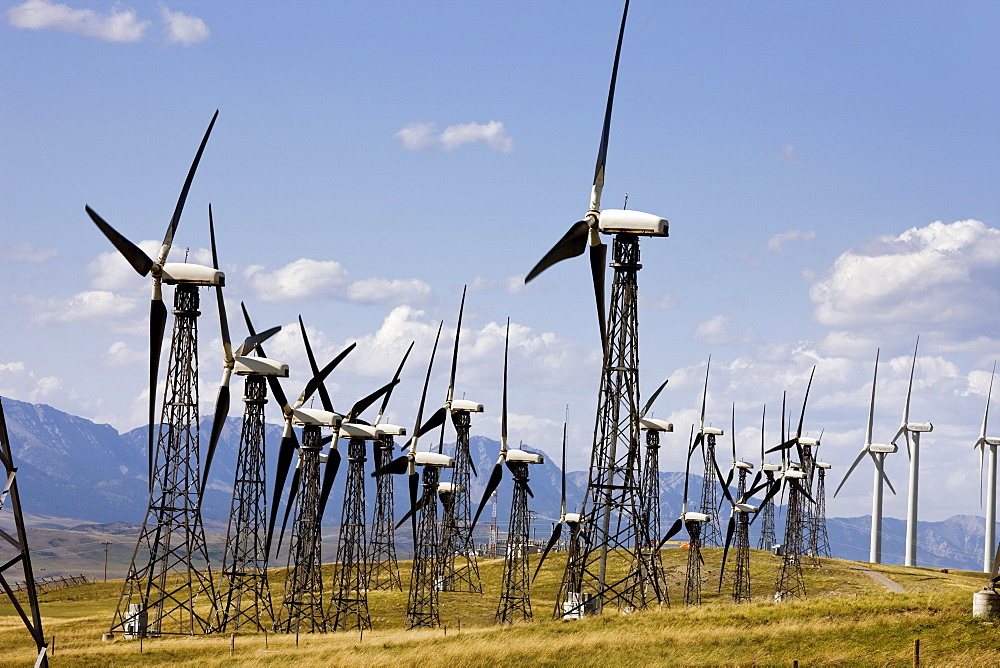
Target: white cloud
{"x": 938, "y": 276}
{"x": 24, "y": 252}
{"x": 790, "y": 155}
{"x": 664, "y": 300}
{"x": 417, "y": 136}
{"x": 87, "y": 305}
{"x": 719, "y": 330}
{"x": 515, "y": 284}
{"x": 778, "y": 241}
{"x": 421, "y": 136}
{"x": 384, "y": 291}
{"x": 183, "y": 29}
{"x": 302, "y": 279}
{"x": 119, "y": 354}
{"x": 118, "y": 25}
{"x": 45, "y": 388}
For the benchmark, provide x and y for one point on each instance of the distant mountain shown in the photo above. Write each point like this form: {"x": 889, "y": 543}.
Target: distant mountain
{"x": 70, "y": 467}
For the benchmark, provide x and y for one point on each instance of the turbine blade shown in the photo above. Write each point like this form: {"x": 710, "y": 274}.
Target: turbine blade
{"x": 362, "y": 404}
{"x": 861, "y": 455}
{"x": 168, "y": 238}
{"x": 324, "y": 395}
{"x": 602, "y": 152}
{"x": 598, "y": 264}
{"x": 652, "y": 398}
{"x": 286, "y": 449}
{"x": 329, "y": 475}
{"x": 218, "y": 422}
{"x": 413, "y": 482}
{"x": 553, "y": 539}
{"x": 157, "y": 325}
{"x": 423, "y": 397}
{"x": 671, "y": 532}
{"x": 573, "y": 243}
{"x": 397, "y": 466}
{"x": 251, "y": 343}
{"x": 399, "y": 370}
{"x": 293, "y": 491}
{"x": 495, "y": 477}
{"x": 132, "y": 253}
{"x": 725, "y": 551}
{"x": 317, "y": 380}
{"x": 454, "y": 354}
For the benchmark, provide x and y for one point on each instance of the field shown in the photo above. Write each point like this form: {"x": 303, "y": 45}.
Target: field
{"x": 847, "y": 618}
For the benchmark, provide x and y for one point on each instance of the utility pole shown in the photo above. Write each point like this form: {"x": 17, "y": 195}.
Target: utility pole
{"x": 106, "y": 543}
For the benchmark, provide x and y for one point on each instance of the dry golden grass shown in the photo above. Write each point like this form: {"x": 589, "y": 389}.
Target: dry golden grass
{"x": 847, "y": 619}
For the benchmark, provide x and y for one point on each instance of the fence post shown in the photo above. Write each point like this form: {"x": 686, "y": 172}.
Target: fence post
{"x": 916, "y": 653}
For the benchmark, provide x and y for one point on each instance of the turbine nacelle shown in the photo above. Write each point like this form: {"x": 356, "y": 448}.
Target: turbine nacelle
{"x": 361, "y": 431}
{"x": 805, "y": 440}
{"x": 516, "y": 455}
{"x": 449, "y": 488}
{"x": 771, "y": 467}
{"x": 652, "y": 424}
{"x": 465, "y": 406}
{"x": 883, "y": 448}
{"x": 743, "y": 465}
{"x": 433, "y": 459}
{"x": 744, "y": 508}
{"x": 921, "y": 427}
{"x": 573, "y": 518}
{"x": 712, "y": 431}
{"x": 617, "y": 221}
{"x": 823, "y": 465}
{"x": 793, "y": 474}
{"x": 316, "y": 417}
{"x": 192, "y": 274}
{"x": 992, "y": 440}
{"x": 392, "y": 429}
{"x": 260, "y": 366}
{"x": 695, "y": 517}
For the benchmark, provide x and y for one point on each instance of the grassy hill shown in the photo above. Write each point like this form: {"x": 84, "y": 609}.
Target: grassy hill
{"x": 847, "y": 618}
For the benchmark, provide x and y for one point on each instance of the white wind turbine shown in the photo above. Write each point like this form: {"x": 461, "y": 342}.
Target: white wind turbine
{"x": 878, "y": 451}
{"x": 905, "y": 429}
{"x": 991, "y": 480}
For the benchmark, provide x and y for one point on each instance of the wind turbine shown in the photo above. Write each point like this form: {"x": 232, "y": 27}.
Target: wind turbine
{"x": 172, "y": 539}
{"x": 991, "y": 482}
{"x": 877, "y": 451}
{"x": 906, "y": 428}
{"x": 611, "y": 488}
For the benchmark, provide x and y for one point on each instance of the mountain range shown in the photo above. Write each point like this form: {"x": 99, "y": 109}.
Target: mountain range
{"x": 70, "y": 467}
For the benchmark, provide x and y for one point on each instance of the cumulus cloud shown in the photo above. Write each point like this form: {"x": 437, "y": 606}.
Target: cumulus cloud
{"x": 423, "y": 136}
{"x": 302, "y": 279}
{"x": 383, "y": 291}
{"x": 87, "y": 305}
{"x": 119, "y": 354}
{"x": 24, "y": 252}
{"x": 778, "y": 241}
{"x": 938, "y": 276}
{"x": 719, "y": 330}
{"x": 183, "y": 29}
{"x": 118, "y": 25}
{"x": 515, "y": 284}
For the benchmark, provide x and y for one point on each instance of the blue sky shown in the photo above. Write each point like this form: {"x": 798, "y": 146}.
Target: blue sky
{"x": 830, "y": 171}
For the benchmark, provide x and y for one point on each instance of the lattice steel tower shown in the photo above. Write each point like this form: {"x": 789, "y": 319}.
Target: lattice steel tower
{"x": 244, "y": 593}
{"x": 711, "y": 534}
{"x": 767, "y": 535}
{"x": 741, "y": 576}
{"x": 656, "y": 581}
{"x": 612, "y": 504}
{"x": 302, "y": 605}
{"x": 692, "y": 577}
{"x": 515, "y": 588}
{"x": 459, "y": 565}
{"x": 171, "y": 544}
{"x": 383, "y": 571}
{"x": 349, "y": 600}
{"x": 422, "y": 603}
{"x": 790, "y": 582}
{"x": 819, "y": 539}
